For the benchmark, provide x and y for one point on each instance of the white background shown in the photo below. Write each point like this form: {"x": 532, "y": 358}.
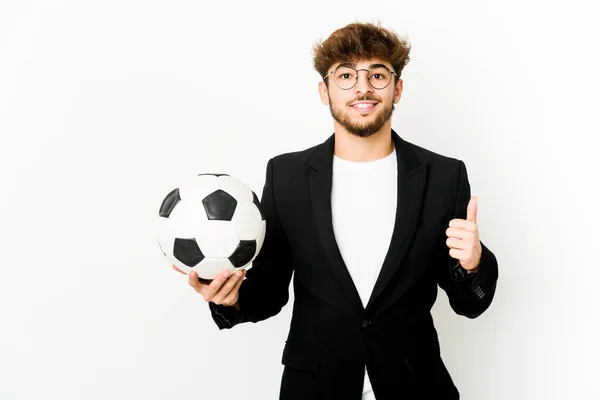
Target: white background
{"x": 105, "y": 106}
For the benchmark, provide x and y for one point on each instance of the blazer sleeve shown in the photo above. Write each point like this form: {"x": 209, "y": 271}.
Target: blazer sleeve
{"x": 469, "y": 294}
{"x": 265, "y": 290}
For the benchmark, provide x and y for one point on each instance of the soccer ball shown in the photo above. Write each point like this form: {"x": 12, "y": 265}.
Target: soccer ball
{"x": 211, "y": 223}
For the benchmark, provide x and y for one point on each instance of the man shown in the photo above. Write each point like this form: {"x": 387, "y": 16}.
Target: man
{"x": 370, "y": 224}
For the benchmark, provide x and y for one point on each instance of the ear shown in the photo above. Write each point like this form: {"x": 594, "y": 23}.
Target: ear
{"x": 323, "y": 93}
{"x": 398, "y": 91}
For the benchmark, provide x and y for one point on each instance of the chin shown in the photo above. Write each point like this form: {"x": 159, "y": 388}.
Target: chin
{"x": 364, "y": 128}
{"x": 363, "y": 133}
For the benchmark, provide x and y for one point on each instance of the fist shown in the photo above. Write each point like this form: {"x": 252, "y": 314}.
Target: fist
{"x": 463, "y": 238}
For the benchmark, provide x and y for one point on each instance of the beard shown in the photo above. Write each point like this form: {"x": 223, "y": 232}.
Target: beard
{"x": 362, "y": 129}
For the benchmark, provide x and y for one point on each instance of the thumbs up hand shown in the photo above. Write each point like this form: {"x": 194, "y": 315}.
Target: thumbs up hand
{"x": 463, "y": 238}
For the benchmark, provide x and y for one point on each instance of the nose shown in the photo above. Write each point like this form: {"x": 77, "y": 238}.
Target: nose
{"x": 362, "y": 83}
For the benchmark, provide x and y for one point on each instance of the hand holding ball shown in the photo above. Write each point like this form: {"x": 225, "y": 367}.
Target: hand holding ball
{"x": 209, "y": 224}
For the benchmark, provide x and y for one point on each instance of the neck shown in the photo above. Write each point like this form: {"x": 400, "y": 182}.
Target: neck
{"x": 363, "y": 149}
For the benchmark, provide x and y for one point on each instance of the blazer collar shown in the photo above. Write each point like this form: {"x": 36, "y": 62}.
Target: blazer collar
{"x": 322, "y": 158}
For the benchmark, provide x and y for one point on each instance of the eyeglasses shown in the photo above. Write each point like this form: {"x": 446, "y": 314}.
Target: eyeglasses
{"x": 345, "y": 77}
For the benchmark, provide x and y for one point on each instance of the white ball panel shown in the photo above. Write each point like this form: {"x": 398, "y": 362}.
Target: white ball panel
{"x": 179, "y": 264}
{"x": 198, "y": 187}
{"x": 209, "y": 268}
{"x": 247, "y": 220}
{"x": 218, "y": 239}
{"x": 235, "y": 188}
{"x": 165, "y": 236}
{"x": 187, "y": 219}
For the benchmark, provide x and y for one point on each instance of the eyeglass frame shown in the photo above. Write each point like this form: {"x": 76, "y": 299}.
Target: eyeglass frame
{"x": 349, "y": 65}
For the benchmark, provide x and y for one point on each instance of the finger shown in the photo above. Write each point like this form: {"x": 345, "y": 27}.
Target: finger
{"x": 228, "y": 287}
{"x": 463, "y": 224}
{"x": 215, "y": 285}
{"x": 457, "y": 254}
{"x": 458, "y": 233}
{"x": 454, "y": 243}
{"x": 472, "y": 210}
{"x": 178, "y": 270}
{"x": 464, "y": 238}
{"x": 240, "y": 281}
{"x": 233, "y": 295}
{"x": 195, "y": 283}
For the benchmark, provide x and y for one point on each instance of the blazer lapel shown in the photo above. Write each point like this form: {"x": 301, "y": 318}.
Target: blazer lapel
{"x": 411, "y": 187}
{"x": 320, "y": 181}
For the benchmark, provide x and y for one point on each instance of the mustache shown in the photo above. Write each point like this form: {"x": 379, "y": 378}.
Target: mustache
{"x": 367, "y": 97}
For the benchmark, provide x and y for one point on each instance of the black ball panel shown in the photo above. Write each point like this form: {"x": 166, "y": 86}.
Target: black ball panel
{"x": 219, "y": 205}
{"x": 169, "y": 203}
{"x": 243, "y": 253}
{"x": 187, "y": 251}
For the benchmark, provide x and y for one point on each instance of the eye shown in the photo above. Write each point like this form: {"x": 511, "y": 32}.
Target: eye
{"x": 379, "y": 74}
{"x": 345, "y": 74}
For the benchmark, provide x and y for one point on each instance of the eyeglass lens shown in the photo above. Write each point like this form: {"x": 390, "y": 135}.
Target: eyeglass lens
{"x": 346, "y": 77}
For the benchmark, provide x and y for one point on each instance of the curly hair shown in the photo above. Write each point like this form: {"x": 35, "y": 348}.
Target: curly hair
{"x": 361, "y": 41}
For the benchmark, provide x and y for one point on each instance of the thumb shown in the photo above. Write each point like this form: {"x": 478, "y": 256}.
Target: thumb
{"x": 472, "y": 210}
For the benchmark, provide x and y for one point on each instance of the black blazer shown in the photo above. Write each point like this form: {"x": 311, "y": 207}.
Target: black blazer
{"x": 332, "y": 336}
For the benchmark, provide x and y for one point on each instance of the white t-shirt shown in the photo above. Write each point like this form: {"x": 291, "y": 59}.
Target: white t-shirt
{"x": 363, "y": 208}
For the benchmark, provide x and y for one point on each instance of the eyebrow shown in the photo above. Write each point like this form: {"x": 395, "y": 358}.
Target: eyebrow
{"x": 348, "y": 64}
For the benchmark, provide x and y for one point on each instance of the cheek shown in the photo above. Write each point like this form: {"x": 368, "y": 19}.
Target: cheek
{"x": 338, "y": 97}
{"x": 391, "y": 96}
{"x": 336, "y": 102}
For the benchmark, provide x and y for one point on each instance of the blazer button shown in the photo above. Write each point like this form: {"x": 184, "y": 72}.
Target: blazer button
{"x": 364, "y": 323}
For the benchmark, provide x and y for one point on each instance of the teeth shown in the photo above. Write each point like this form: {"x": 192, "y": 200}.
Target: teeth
{"x": 363, "y": 105}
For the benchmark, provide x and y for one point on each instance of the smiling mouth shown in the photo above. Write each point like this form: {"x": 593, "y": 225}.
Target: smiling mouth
{"x": 364, "y": 107}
